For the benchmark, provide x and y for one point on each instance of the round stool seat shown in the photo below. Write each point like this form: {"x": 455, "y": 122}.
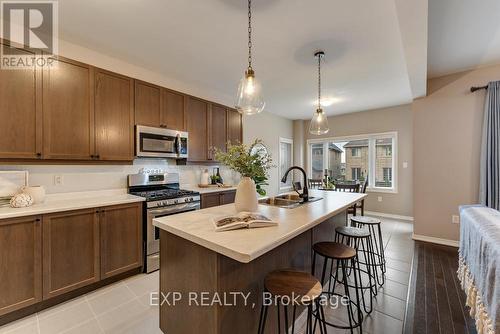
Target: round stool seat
{"x": 354, "y": 232}
{"x": 334, "y": 250}
{"x": 365, "y": 220}
{"x": 293, "y": 283}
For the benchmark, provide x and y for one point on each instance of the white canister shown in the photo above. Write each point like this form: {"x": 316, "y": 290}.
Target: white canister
{"x": 36, "y": 192}
{"x": 204, "y": 177}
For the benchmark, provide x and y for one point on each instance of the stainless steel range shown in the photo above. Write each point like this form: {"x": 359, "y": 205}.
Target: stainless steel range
{"x": 163, "y": 198}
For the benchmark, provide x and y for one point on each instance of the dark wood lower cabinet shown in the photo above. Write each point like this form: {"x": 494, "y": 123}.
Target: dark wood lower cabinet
{"x": 227, "y": 197}
{"x": 45, "y": 259}
{"x": 209, "y": 200}
{"x": 20, "y": 263}
{"x": 70, "y": 251}
{"x": 121, "y": 239}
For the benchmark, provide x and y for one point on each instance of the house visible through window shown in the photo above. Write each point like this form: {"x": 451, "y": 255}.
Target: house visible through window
{"x": 355, "y": 159}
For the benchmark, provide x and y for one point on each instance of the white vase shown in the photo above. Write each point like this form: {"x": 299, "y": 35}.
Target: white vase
{"x": 36, "y": 192}
{"x": 246, "y": 196}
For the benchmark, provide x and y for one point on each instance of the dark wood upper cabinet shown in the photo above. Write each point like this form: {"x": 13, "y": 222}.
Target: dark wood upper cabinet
{"x": 147, "y": 104}
{"x": 21, "y": 113}
{"x": 172, "y": 109}
{"x": 234, "y": 126}
{"x": 20, "y": 263}
{"x": 121, "y": 239}
{"x": 197, "y": 127}
{"x": 70, "y": 251}
{"x": 218, "y": 128}
{"x": 114, "y": 116}
{"x": 68, "y": 111}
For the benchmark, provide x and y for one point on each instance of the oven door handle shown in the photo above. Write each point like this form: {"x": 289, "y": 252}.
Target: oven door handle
{"x": 174, "y": 209}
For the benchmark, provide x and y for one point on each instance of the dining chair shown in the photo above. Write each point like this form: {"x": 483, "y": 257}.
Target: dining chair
{"x": 315, "y": 183}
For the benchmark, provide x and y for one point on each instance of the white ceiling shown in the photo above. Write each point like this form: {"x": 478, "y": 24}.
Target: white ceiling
{"x": 463, "y": 34}
{"x": 375, "y": 50}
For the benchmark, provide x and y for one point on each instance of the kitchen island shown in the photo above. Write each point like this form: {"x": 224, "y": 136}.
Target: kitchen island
{"x": 212, "y": 282}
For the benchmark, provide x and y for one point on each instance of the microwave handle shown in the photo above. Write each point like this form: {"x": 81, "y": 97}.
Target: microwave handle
{"x": 178, "y": 144}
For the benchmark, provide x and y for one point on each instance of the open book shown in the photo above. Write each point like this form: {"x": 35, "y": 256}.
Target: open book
{"x": 242, "y": 220}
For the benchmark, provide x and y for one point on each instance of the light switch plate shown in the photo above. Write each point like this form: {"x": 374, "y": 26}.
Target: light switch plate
{"x": 405, "y": 164}
{"x": 379, "y": 198}
{"x": 455, "y": 219}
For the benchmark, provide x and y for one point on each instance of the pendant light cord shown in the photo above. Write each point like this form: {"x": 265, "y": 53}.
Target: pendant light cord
{"x": 250, "y": 34}
{"x": 319, "y": 81}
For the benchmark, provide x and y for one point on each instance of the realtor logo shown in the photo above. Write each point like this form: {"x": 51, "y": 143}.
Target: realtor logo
{"x": 31, "y": 29}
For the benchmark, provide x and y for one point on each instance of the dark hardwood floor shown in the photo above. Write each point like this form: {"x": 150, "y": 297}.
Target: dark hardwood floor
{"x": 436, "y": 302}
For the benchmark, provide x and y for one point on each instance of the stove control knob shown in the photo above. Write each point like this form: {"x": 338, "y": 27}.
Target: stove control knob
{"x": 176, "y": 201}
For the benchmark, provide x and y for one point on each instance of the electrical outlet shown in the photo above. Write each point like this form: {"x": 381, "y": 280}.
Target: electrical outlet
{"x": 455, "y": 219}
{"x": 379, "y": 198}
{"x": 58, "y": 180}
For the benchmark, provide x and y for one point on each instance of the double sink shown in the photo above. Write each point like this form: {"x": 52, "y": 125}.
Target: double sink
{"x": 288, "y": 201}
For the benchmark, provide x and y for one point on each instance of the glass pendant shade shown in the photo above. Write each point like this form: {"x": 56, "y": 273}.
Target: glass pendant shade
{"x": 319, "y": 123}
{"x": 249, "y": 101}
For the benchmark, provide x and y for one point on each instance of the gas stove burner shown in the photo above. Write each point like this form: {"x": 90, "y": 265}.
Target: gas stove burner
{"x": 155, "y": 195}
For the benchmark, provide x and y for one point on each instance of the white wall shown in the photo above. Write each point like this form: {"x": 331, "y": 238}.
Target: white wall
{"x": 269, "y": 128}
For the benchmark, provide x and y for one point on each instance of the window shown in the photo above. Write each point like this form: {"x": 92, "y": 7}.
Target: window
{"x": 387, "y": 174}
{"x": 355, "y": 159}
{"x": 355, "y": 173}
{"x": 286, "y": 160}
{"x": 317, "y": 161}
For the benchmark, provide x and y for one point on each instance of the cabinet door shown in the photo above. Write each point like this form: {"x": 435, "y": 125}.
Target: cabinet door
{"x": 227, "y": 197}
{"x": 209, "y": 200}
{"x": 197, "y": 121}
{"x": 172, "y": 107}
{"x": 234, "y": 126}
{"x": 70, "y": 251}
{"x": 147, "y": 104}
{"x": 121, "y": 239}
{"x": 20, "y": 263}
{"x": 218, "y": 128}
{"x": 68, "y": 111}
{"x": 114, "y": 116}
{"x": 21, "y": 112}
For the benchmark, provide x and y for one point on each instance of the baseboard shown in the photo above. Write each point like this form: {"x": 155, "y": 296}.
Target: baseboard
{"x": 388, "y": 215}
{"x": 434, "y": 240}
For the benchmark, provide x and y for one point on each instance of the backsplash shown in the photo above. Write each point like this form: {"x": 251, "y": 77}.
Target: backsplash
{"x": 103, "y": 177}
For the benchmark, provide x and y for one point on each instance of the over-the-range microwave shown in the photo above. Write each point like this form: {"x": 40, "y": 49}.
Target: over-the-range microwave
{"x": 153, "y": 142}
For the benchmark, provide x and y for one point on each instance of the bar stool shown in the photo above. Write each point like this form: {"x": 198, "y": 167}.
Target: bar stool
{"x": 360, "y": 239}
{"x": 342, "y": 254}
{"x": 285, "y": 286}
{"x": 374, "y": 226}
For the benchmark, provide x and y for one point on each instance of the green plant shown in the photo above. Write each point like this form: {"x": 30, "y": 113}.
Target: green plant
{"x": 254, "y": 165}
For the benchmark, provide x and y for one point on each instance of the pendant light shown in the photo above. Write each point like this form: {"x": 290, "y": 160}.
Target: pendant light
{"x": 249, "y": 99}
{"x": 319, "y": 122}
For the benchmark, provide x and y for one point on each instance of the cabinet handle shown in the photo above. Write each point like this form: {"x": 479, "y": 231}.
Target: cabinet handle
{"x": 39, "y": 155}
{"x": 38, "y": 220}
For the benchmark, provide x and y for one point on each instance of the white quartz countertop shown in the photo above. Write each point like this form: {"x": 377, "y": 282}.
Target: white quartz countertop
{"x": 207, "y": 190}
{"x": 72, "y": 201}
{"x": 245, "y": 245}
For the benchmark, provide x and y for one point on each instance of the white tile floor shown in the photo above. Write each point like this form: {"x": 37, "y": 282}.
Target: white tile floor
{"x": 124, "y": 307}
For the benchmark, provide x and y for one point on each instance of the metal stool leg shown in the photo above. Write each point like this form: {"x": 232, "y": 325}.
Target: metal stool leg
{"x": 262, "y": 320}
